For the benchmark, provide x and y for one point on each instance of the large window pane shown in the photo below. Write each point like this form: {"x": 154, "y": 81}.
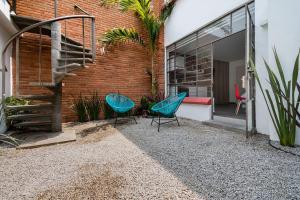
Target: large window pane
{"x": 238, "y": 20}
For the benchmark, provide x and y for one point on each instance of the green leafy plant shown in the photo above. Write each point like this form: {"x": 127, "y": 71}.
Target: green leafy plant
{"x": 14, "y": 101}
{"x": 93, "y": 106}
{"x": 147, "y": 102}
{"x": 151, "y": 23}
{"x": 282, "y": 100}
{"x": 79, "y": 107}
{"x": 8, "y": 140}
{"x": 107, "y": 110}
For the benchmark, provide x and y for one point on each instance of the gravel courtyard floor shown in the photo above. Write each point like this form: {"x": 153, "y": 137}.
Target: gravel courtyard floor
{"x": 137, "y": 162}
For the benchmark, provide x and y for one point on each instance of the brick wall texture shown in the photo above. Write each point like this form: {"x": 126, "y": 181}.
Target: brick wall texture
{"x": 122, "y": 69}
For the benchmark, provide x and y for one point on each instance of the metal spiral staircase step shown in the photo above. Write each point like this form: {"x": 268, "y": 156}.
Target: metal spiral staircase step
{"x": 45, "y": 106}
{"x": 68, "y": 46}
{"x": 74, "y": 60}
{"x": 77, "y": 54}
{"x": 37, "y": 97}
{"x": 29, "y": 117}
{"x": 34, "y": 123}
{"x": 42, "y": 84}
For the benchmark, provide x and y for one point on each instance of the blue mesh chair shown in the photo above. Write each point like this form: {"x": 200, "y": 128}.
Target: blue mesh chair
{"x": 167, "y": 109}
{"x": 120, "y": 105}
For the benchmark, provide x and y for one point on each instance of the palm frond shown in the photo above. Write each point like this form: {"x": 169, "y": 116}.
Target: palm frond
{"x": 121, "y": 35}
{"x": 108, "y": 3}
{"x": 167, "y": 10}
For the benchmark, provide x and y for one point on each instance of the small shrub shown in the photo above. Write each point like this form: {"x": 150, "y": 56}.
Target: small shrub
{"x": 79, "y": 107}
{"x": 107, "y": 110}
{"x": 93, "y": 106}
{"x": 147, "y": 102}
{"x": 13, "y": 101}
{"x": 8, "y": 140}
{"x": 282, "y": 100}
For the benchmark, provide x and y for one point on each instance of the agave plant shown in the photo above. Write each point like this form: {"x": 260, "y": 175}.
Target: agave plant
{"x": 8, "y": 140}
{"x": 79, "y": 107}
{"x": 151, "y": 23}
{"x": 282, "y": 100}
{"x": 93, "y": 106}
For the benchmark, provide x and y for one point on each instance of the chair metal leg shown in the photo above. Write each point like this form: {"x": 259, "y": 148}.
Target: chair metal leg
{"x": 177, "y": 120}
{"x": 116, "y": 121}
{"x": 152, "y": 120}
{"x": 238, "y": 107}
{"x": 158, "y": 122}
{"x": 134, "y": 119}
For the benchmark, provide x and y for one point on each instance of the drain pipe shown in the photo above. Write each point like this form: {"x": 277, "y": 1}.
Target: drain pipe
{"x": 55, "y": 8}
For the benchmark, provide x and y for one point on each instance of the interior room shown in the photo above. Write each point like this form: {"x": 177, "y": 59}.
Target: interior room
{"x": 228, "y": 75}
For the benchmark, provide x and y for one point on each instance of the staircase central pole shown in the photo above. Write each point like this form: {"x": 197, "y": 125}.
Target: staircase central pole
{"x": 55, "y": 55}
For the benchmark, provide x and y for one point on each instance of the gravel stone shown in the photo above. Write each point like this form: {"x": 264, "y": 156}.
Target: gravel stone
{"x": 192, "y": 161}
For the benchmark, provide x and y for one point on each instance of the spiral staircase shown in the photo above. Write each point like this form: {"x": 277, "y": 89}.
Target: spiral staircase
{"x": 67, "y": 56}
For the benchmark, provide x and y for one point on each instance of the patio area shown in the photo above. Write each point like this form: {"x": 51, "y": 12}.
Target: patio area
{"x": 132, "y": 161}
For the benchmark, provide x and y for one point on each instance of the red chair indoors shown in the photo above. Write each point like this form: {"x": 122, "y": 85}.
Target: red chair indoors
{"x": 239, "y": 99}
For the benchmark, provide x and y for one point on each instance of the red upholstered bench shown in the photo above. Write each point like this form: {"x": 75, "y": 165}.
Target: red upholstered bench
{"x": 198, "y": 100}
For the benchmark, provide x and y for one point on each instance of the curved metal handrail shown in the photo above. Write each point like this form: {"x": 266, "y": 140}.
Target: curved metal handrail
{"x": 41, "y": 24}
{"x": 32, "y": 27}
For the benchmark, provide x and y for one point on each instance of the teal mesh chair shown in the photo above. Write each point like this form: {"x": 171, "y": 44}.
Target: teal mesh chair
{"x": 167, "y": 109}
{"x": 120, "y": 105}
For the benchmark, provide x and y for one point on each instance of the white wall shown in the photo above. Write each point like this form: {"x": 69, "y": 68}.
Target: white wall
{"x": 194, "y": 111}
{"x": 6, "y": 31}
{"x": 277, "y": 23}
{"x": 283, "y": 32}
{"x": 190, "y": 15}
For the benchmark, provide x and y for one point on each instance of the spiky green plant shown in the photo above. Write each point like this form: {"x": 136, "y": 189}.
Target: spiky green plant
{"x": 9, "y": 140}
{"x": 93, "y": 106}
{"x": 151, "y": 22}
{"x": 282, "y": 100}
{"x": 79, "y": 107}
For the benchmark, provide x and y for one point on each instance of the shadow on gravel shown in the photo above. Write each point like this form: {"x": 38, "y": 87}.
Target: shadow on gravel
{"x": 218, "y": 164}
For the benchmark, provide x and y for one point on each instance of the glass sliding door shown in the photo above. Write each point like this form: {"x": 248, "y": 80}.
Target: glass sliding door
{"x": 190, "y": 60}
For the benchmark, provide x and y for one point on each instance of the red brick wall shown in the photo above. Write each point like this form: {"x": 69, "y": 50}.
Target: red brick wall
{"x": 122, "y": 69}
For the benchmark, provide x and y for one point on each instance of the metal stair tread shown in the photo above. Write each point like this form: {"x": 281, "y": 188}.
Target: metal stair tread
{"x": 29, "y": 116}
{"x": 42, "y": 84}
{"x": 29, "y": 107}
{"x": 75, "y": 52}
{"x": 76, "y": 59}
{"x": 36, "y": 97}
{"x": 34, "y": 123}
{"x": 69, "y": 65}
{"x": 75, "y": 46}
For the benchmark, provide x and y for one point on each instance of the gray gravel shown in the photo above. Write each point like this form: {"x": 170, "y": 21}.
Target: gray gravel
{"x": 137, "y": 162}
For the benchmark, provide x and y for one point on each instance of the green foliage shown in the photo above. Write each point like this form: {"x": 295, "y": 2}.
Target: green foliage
{"x": 151, "y": 22}
{"x": 79, "y": 107}
{"x": 147, "y": 103}
{"x": 121, "y": 35}
{"x": 108, "y": 111}
{"x": 8, "y": 140}
{"x": 14, "y": 101}
{"x": 93, "y": 106}
{"x": 282, "y": 100}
